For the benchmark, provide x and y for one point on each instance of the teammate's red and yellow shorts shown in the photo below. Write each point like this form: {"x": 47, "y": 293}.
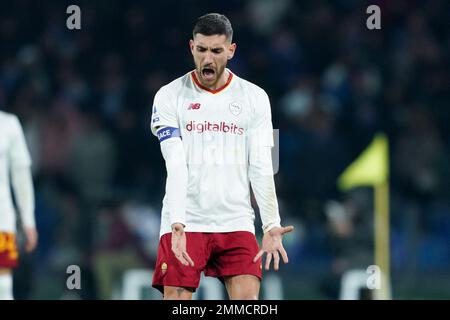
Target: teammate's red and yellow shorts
{"x": 216, "y": 254}
{"x": 8, "y": 250}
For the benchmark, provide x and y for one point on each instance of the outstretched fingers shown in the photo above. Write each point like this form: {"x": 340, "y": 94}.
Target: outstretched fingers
{"x": 188, "y": 258}
{"x": 180, "y": 257}
{"x": 283, "y": 254}
{"x": 287, "y": 229}
{"x": 259, "y": 254}
{"x": 276, "y": 261}
{"x": 268, "y": 260}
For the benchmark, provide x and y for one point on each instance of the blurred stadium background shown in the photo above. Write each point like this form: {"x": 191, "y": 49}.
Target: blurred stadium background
{"x": 84, "y": 99}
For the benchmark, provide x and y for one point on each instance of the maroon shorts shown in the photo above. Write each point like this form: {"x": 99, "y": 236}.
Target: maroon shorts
{"x": 216, "y": 254}
{"x": 8, "y": 250}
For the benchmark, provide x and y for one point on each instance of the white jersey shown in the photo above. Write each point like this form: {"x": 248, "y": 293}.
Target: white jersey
{"x": 215, "y": 128}
{"x": 13, "y": 153}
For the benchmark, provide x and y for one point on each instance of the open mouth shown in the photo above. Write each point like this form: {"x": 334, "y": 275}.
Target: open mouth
{"x": 208, "y": 73}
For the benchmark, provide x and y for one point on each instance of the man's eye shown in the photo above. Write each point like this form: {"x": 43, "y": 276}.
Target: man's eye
{"x": 216, "y": 50}
{"x": 201, "y": 49}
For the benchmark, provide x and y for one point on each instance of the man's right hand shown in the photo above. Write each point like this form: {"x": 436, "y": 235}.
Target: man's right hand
{"x": 179, "y": 244}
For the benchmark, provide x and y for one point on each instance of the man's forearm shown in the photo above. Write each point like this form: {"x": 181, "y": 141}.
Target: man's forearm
{"x": 177, "y": 177}
{"x": 22, "y": 183}
{"x": 263, "y": 185}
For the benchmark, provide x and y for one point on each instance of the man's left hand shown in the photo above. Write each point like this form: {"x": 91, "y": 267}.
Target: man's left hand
{"x": 273, "y": 246}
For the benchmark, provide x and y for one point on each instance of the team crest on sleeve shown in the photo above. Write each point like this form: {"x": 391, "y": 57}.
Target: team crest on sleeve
{"x": 235, "y": 108}
{"x": 155, "y": 116}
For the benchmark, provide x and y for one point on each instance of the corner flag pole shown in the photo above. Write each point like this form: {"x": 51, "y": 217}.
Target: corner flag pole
{"x": 382, "y": 248}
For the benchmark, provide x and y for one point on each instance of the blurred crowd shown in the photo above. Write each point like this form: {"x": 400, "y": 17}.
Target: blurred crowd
{"x": 84, "y": 98}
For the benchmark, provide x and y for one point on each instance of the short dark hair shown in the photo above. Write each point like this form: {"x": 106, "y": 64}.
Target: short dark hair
{"x": 213, "y": 23}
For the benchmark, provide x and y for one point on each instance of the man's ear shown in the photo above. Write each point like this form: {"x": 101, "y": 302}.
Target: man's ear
{"x": 191, "y": 46}
{"x": 231, "y": 51}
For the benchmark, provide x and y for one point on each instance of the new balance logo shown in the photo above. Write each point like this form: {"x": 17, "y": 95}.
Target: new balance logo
{"x": 194, "y": 106}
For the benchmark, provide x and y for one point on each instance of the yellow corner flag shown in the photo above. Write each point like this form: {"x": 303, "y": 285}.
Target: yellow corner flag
{"x": 371, "y": 168}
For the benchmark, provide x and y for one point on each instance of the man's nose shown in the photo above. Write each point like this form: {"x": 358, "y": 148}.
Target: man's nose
{"x": 208, "y": 57}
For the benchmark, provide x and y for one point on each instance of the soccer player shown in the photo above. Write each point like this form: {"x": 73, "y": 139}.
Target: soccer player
{"x": 215, "y": 132}
{"x": 15, "y": 162}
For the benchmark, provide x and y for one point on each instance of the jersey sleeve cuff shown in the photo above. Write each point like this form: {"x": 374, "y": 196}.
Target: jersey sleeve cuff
{"x": 270, "y": 226}
{"x": 177, "y": 220}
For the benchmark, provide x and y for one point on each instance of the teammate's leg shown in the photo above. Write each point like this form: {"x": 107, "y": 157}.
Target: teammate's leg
{"x": 6, "y": 285}
{"x": 242, "y": 287}
{"x": 8, "y": 260}
{"x": 177, "y": 293}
